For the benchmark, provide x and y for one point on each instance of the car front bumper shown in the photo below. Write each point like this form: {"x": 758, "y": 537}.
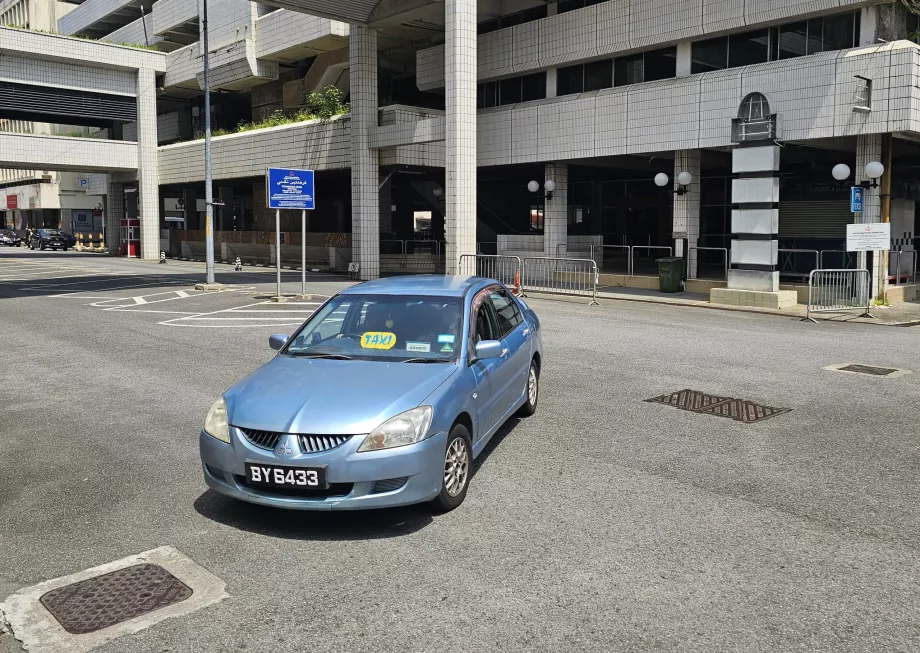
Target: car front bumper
{"x": 353, "y": 476}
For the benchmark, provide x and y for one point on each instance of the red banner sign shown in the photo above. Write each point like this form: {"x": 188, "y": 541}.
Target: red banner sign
{"x": 12, "y": 202}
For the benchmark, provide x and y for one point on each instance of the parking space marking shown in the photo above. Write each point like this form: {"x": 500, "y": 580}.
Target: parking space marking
{"x": 229, "y": 318}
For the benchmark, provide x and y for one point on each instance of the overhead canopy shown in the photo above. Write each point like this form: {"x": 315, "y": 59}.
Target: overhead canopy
{"x": 376, "y": 13}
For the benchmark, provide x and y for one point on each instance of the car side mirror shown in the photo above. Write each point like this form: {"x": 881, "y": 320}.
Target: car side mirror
{"x": 277, "y": 340}
{"x": 488, "y": 349}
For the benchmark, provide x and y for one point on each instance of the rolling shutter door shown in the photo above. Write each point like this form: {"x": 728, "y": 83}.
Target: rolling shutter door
{"x": 827, "y": 219}
{"x": 48, "y": 100}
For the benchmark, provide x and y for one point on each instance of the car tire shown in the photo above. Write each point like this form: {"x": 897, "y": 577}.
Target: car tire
{"x": 532, "y": 390}
{"x": 456, "y": 470}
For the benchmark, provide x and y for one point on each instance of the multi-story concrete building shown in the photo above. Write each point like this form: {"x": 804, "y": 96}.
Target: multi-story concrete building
{"x": 457, "y": 107}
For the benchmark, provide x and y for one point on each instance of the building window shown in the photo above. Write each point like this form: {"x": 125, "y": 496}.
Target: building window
{"x": 659, "y": 64}
{"x": 754, "y": 107}
{"x": 511, "y": 90}
{"x": 570, "y": 79}
{"x": 517, "y": 18}
{"x": 863, "y": 99}
{"x": 797, "y": 39}
{"x": 754, "y": 121}
{"x": 628, "y": 70}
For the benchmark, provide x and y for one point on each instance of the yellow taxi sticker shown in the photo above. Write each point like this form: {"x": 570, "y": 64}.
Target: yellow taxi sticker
{"x": 378, "y": 340}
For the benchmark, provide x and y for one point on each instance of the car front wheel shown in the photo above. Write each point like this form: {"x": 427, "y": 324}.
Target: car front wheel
{"x": 533, "y": 390}
{"x": 458, "y": 465}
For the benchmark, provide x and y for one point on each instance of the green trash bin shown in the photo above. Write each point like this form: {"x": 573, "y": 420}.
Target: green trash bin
{"x": 670, "y": 271}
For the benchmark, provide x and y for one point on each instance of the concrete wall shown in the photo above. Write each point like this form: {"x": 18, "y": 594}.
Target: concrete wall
{"x": 61, "y": 153}
{"x": 617, "y": 27}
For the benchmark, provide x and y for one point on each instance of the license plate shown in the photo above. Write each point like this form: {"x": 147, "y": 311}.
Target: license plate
{"x": 307, "y": 478}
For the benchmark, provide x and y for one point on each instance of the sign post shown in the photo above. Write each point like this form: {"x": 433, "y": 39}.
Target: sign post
{"x": 856, "y": 199}
{"x": 868, "y": 237}
{"x": 290, "y": 189}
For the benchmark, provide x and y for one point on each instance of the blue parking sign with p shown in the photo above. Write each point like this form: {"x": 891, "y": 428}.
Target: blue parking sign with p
{"x": 290, "y": 189}
{"x": 856, "y": 199}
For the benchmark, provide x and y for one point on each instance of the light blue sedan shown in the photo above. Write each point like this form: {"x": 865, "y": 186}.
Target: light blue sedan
{"x": 382, "y": 398}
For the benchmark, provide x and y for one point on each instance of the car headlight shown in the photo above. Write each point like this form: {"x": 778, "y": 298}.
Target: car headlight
{"x": 406, "y": 428}
{"x": 215, "y": 424}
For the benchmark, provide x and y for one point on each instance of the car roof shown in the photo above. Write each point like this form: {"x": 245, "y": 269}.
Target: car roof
{"x": 435, "y": 285}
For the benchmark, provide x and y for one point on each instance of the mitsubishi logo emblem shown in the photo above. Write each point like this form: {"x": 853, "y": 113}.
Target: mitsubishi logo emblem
{"x": 285, "y": 448}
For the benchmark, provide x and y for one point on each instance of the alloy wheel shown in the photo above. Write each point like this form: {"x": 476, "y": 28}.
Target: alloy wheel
{"x": 456, "y": 466}
{"x": 532, "y": 386}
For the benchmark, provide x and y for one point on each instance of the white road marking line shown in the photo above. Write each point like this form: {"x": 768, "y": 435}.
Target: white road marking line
{"x": 181, "y": 293}
{"x": 250, "y": 310}
{"x": 257, "y": 319}
{"x": 226, "y": 326}
{"x": 213, "y": 312}
{"x": 77, "y": 292}
{"x": 119, "y": 309}
{"x": 139, "y": 300}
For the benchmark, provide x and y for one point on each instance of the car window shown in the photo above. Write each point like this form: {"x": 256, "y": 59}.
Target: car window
{"x": 482, "y": 321}
{"x": 383, "y": 327}
{"x": 507, "y": 313}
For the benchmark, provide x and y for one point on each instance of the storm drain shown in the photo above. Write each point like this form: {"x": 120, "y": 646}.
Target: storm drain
{"x": 740, "y": 410}
{"x": 103, "y": 601}
{"x": 868, "y": 370}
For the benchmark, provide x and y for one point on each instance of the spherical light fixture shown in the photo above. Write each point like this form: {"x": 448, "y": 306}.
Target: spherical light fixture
{"x": 874, "y": 170}
{"x": 437, "y": 192}
{"x": 841, "y": 171}
{"x": 661, "y": 179}
{"x": 549, "y": 185}
{"x": 533, "y": 186}
{"x": 684, "y": 178}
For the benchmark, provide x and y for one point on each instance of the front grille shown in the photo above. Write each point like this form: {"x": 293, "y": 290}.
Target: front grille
{"x": 262, "y": 439}
{"x": 314, "y": 443}
{"x": 308, "y": 443}
{"x": 389, "y": 484}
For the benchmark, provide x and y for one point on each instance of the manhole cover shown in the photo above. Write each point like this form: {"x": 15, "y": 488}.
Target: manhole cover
{"x": 103, "y": 601}
{"x": 869, "y": 369}
{"x": 740, "y": 410}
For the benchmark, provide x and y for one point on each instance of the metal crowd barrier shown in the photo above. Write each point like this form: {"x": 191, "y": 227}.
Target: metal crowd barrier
{"x": 690, "y": 251}
{"x": 506, "y": 269}
{"x": 632, "y": 254}
{"x": 834, "y": 291}
{"x": 567, "y": 276}
{"x": 897, "y": 270}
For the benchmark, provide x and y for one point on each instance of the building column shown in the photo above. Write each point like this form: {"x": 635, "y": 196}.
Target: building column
{"x": 460, "y": 158}
{"x": 868, "y": 149}
{"x": 556, "y": 211}
{"x": 365, "y": 169}
{"x": 684, "y": 59}
{"x": 114, "y": 212}
{"x": 147, "y": 173}
{"x": 686, "y": 223}
{"x": 755, "y": 223}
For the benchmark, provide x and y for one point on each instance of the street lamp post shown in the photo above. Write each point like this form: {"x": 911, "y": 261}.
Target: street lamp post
{"x": 208, "y": 191}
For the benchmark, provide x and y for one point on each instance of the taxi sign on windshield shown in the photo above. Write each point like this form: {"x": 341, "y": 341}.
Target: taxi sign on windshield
{"x": 378, "y": 340}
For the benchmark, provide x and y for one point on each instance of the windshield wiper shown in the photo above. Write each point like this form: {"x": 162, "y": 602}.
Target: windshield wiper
{"x": 307, "y": 354}
{"x": 426, "y": 360}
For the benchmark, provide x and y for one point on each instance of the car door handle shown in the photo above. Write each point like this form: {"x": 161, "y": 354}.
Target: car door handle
{"x": 504, "y": 353}
{"x": 527, "y": 331}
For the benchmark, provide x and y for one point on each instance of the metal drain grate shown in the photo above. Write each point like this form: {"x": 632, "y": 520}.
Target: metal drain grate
{"x": 740, "y": 410}
{"x": 868, "y": 369}
{"x": 104, "y": 601}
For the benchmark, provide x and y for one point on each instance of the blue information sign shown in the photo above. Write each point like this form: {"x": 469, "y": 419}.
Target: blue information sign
{"x": 856, "y": 199}
{"x": 289, "y": 189}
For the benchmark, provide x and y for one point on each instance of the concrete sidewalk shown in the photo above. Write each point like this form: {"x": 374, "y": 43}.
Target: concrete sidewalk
{"x": 906, "y": 314}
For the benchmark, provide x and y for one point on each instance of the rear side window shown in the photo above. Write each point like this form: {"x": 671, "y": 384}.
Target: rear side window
{"x": 507, "y": 311}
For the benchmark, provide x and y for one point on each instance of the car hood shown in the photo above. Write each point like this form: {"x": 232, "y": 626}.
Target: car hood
{"x": 330, "y": 397}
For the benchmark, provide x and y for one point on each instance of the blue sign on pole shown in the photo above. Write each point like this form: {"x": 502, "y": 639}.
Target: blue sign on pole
{"x": 289, "y": 189}
{"x": 856, "y": 199}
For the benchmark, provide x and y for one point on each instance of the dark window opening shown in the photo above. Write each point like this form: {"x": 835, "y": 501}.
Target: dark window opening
{"x": 517, "y": 18}
{"x": 533, "y": 87}
{"x": 628, "y": 70}
{"x": 598, "y": 75}
{"x": 660, "y": 64}
{"x": 749, "y": 48}
{"x": 709, "y": 55}
{"x": 570, "y": 80}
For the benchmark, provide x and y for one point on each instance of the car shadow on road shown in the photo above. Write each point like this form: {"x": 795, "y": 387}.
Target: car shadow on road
{"x": 503, "y": 432}
{"x": 309, "y": 525}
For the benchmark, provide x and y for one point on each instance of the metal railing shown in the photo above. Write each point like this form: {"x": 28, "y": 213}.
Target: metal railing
{"x": 838, "y": 290}
{"x": 392, "y": 247}
{"x": 897, "y": 270}
{"x": 646, "y": 237}
{"x": 690, "y": 251}
{"x": 846, "y": 258}
{"x": 506, "y": 269}
{"x": 567, "y": 276}
{"x": 792, "y": 252}
{"x": 632, "y": 254}
{"x": 597, "y": 255}
{"x": 426, "y": 246}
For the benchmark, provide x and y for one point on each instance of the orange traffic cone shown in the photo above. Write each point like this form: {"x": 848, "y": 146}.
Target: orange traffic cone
{"x": 517, "y": 283}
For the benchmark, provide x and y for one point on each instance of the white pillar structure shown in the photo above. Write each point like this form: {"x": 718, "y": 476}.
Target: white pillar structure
{"x": 460, "y": 159}
{"x": 365, "y": 171}
{"x": 556, "y": 211}
{"x": 687, "y": 205}
{"x": 868, "y": 149}
{"x": 147, "y": 173}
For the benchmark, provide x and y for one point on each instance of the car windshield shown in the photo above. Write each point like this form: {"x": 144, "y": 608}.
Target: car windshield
{"x": 419, "y": 329}
{"x": 49, "y": 232}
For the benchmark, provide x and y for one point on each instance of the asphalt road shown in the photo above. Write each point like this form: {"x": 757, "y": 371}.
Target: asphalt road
{"x": 603, "y": 523}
